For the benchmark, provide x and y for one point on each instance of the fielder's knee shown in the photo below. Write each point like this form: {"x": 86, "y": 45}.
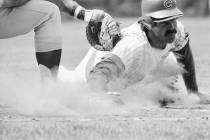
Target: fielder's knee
{"x": 44, "y": 6}
{"x": 48, "y": 34}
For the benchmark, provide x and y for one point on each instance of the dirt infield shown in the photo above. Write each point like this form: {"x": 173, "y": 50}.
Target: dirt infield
{"x": 155, "y": 123}
{"x": 174, "y": 122}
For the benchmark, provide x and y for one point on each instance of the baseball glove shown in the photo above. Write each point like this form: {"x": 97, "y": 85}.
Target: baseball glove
{"x": 103, "y": 33}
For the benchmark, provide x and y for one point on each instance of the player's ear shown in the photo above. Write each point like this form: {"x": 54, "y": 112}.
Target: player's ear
{"x": 146, "y": 23}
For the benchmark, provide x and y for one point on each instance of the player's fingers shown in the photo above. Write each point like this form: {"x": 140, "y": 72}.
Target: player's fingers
{"x": 97, "y": 15}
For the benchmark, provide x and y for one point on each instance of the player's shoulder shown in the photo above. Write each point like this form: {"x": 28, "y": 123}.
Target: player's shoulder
{"x": 134, "y": 31}
{"x": 132, "y": 38}
{"x": 132, "y": 35}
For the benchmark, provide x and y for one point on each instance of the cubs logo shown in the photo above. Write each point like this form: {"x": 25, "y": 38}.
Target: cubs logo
{"x": 169, "y": 4}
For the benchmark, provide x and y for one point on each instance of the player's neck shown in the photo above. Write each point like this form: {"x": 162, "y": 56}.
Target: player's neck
{"x": 154, "y": 41}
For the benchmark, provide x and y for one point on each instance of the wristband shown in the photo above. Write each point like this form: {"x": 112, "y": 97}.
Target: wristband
{"x": 77, "y": 11}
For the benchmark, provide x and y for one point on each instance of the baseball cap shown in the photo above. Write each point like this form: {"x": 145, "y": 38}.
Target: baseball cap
{"x": 161, "y": 10}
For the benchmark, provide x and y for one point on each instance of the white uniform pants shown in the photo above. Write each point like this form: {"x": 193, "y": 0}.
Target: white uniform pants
{"x": 41, "y": 16}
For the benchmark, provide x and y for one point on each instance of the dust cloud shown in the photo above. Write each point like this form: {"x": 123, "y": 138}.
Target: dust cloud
{"x": 33, "y": 97}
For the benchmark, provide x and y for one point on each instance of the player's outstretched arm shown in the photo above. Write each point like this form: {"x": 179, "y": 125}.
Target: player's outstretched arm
{"x": 74, "y": 9}
{"x": 102, "y": 31}
{"x": 186, "y": 58}
{"x": 190, "y": 75}
{"x": 71, "y": 7}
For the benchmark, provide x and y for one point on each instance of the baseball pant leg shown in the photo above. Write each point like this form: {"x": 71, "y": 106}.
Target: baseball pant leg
{"x": 44, "y": 18}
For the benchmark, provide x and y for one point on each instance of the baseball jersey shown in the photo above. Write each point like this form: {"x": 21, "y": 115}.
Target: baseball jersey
{"x": 135, "y": 55}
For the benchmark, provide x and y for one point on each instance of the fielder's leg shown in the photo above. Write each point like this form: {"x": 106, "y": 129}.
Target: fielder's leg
{"x": 44, "y": 18}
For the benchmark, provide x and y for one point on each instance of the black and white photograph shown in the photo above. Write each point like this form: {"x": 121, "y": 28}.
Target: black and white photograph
{"x": 104, "y": 69}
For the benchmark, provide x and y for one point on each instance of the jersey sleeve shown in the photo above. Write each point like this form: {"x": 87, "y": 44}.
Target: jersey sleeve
{"x": 185, "y": 58}
{"x": 71, "y": 7}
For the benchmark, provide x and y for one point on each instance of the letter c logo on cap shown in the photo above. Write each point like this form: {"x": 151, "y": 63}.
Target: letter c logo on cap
{"x": 169, "y": 4}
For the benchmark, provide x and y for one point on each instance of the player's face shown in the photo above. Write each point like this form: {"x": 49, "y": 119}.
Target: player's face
{"x": 166, "y": 31}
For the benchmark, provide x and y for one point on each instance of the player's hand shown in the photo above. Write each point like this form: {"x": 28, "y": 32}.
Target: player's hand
{"x": 204, "y": 98}
{"x": 97, "y": 15}
{"x": 115, "y": 97}
{"x": 94, "y": 15}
